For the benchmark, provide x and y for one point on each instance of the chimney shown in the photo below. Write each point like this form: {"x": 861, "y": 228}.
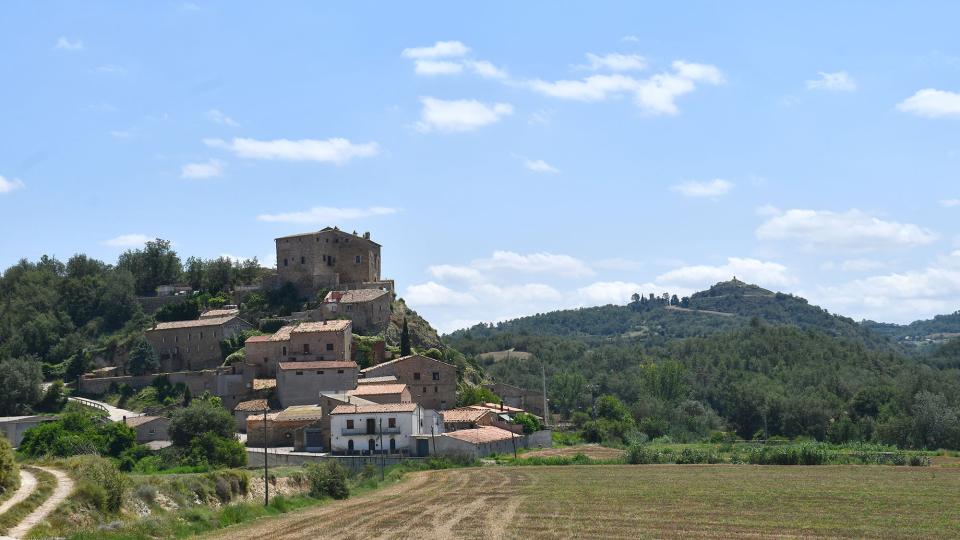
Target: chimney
{"x": 366, "y": 235}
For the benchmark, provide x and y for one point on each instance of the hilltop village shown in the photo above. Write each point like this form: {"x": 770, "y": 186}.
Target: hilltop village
{"x": 323, "y": 381}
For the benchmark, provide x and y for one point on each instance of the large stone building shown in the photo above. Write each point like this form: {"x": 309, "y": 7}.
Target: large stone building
{"x": 193, "y": 345}
{"x": 432, "y": 383}
{"x": 304, "y": 342}
{"x": 301, "y": 383}
{"x": 521, "y": 398}
{"x": 327, "y": 259}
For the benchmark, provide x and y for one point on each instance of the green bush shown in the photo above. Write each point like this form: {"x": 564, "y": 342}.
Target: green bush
{"x": 9, "y": 472}
{"x": 217, "y": 451}
{"x": 328, "y": 479}
{"x": 689, "y": 456}
{"x": 639, "y": 454}
{"x": 200, "y": 417}
{"x": 100, "y": 483}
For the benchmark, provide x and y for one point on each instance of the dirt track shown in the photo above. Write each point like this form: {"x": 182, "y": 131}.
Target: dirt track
{"x": 462, "y": 503}
{"x": 60, "y": 494}
{"x": 28, "y": 483}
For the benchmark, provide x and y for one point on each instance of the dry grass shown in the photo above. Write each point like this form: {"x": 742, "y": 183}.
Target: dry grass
{"x": 672, "y": 501}
{"x": 592, "y": 451}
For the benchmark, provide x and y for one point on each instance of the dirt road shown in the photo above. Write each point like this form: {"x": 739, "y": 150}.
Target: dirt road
{"x": 28, "y": 483}
{"x": 461, "y": 503}
{"x": 60, "y": 493}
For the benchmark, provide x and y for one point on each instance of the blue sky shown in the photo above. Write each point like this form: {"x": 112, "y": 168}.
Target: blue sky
{"x": 511, "y": 158}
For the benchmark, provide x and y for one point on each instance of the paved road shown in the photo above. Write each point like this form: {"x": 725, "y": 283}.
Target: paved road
{"x": 115, "y": 413}
{"x": 60, "y": 493}
{"x": 28, "y": 483}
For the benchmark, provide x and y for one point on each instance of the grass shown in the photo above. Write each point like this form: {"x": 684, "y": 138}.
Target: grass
{"x": 46, "y": 483}
{"x": 627, "y": 501}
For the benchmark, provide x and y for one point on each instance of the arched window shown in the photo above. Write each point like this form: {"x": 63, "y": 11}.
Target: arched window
{"x": 393, "y": 445}
{"x": 350, "y": 446}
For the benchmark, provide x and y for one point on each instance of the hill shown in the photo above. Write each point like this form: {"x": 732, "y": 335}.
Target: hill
{"x": 939, "y": 329}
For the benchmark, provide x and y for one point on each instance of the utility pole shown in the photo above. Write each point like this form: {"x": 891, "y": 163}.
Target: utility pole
{"x": 546, "y": 410}
{"x": 266, "y": 476}
{"x": 514, "y": 441}
{"x": 382, "y": 458}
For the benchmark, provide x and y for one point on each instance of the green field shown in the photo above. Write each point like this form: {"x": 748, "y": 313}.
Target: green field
{"x": 655, "y": 501}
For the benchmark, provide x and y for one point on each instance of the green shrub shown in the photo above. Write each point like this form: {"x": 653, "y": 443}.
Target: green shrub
{"x": 9, "y": 472}
{"x": 328, "y": 479}
{"x": 639, "y": 454}
{"x": 216, "y": 451}
{"x": 689, "y": 456}
{"x": 98, "y": 475}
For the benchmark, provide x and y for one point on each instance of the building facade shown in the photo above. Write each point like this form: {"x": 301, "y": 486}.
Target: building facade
{"x": 327, "y": 259}
{"x": 193, "y": 345}
{"x": 149, "y": 428}
{"x": 383, "y": 393}
{"x": 375, "y": 429}
{"x": 521, "y": 398}
{"x": 369, "y": 309}
{"x": 304, "y": 342}
{"x": 301, "y": 383}
{"x": 432, "y": 383}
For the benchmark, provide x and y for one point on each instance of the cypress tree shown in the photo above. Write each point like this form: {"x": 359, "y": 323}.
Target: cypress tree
{"x": 405, "y": 339}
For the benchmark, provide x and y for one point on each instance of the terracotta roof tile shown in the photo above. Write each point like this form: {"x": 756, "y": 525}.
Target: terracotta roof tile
{"x": 319, "y": 364}
{"x": 252, "y": 405}
{"x": 464, "y": 414}
{"x": 216, "y": 321}
{"x": 264, "y": 384}
{"x": 367, "y": 409}
{"x": 257, "y": 339}
{"x": 140, "y": 420}
{"x": 374, "y": 369}
{"x": 377, "y": 389}
{"x": 481, "y": 435}
{"x": 377, "y": 380}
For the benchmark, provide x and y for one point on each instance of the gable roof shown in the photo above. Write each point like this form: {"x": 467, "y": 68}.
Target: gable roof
{"x": 214, "y": 321}
{"x": 464, "y": 414}
{"x": 495, "y": 407}
{"x": 337, "y": 325}
{"x": 251, "y": 405}
{"x": 355, "y": 296}
{"x": 481, "y": 435}
{"x": 264, "y": 384}
{"x": 380, "y": 408}
{"x": 377, "y": 389}
{"x": 300, "y": 412}
{"x": 135, "y": 421}
{"x": 373, "y": 369}
{"x": 215, "y": 313}
{"x": 377, "y": 380}
{"x": 319, "y": 364}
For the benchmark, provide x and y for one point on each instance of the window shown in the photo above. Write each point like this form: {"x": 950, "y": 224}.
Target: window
{"x": 306, "y": 348}
{"x": 299, "y": 373}
{"x": 265, "y": 359}
{"x": 324, "y": 258}
{"x": 176, "y": 339}
{"x": 340, "y": 371}
{"x": 358, "y": 259}
{"x": 349, "y": 424}
{"x": 424, "y": 390}
{"x": 284, "y": 350}
{"x": 416, "y": 376}
{"x": 329, "y": 346}
{"x": 436, "y": 375}
{"x": 303, "y": 259}
{"x": 319, "y": 372}
{"x": 392, "y": 422}
{"x": 284, "y": 262}
{"x": 152, "y": 431}
{"x": 436, "y": 389}
{"x": 201, "y": 335}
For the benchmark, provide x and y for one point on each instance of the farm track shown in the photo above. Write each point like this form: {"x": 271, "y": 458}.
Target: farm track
{"x": 28, "y": 483}
{"x": 657, "y": 501}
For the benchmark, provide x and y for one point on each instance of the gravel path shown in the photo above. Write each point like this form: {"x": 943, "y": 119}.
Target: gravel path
{"x": 28, "y": 483}
{"x": 60, "y": 493}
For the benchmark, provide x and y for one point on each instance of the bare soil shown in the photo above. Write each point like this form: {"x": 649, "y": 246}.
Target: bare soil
{"x": 592, "y": 451}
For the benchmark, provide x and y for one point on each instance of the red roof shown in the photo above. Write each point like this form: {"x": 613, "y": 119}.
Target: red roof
{"x": 366, "y": 409}
{"x": 481, "y": 435}
{"x": 464, "y": 414}
{"x": 377, "y": 389}
{"x": 257, "y": 339}
{"x": 319, "y": 364}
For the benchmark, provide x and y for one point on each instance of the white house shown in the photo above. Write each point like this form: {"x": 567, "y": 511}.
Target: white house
{"x": 379, "y": 428}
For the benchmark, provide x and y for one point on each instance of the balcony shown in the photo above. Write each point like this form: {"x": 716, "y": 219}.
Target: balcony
{"x": 363, "y": 431}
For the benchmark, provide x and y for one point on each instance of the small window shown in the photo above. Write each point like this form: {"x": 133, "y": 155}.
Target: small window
{"x": 319, "y": 372}
{"x": 284, "y": 350}
{"x": 329, "y": 346}
{"x": 436, "y": 389}
{"x": 392, "y": 422}
{"x": 306, "y": 348}
{"x": 284, "y": 262}
{"x": 152, "y": 431}
{"x": 303, "y": 259}
{"x": 349, "y": 424}
{"x": 416, "y": 376}
{"x": 436, "y": 375}
{"x": 340, "y": 371}
{"x": 299, "y": 373}
{"x": 424, "y": 389}
{"x": 201, "y": 335}
{"x": 359, "y": 259}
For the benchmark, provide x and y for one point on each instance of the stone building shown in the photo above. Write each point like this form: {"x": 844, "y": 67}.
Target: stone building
{"x": 301, "y": 383}
{"x": 218, "y": 313}
{"x": 304, "y": 342}
{"x": 383, "y": 393}
{"x": 432, "y": 383}
{"x": 149, "y": 428}
{"x": 521, "y": 398}
{"x": 327, "y": 259}
{"x": 245, "y": 408}
{"x": 193, "y": 345}
{"x": 369, "y": 309}
{"x": 280, "y": 427}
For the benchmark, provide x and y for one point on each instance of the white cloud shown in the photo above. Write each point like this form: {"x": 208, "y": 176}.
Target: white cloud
{"x": 335, "y": 150}
{"x": 64, "y": 44}
{"x": 839, "y": 81}
{"x": 616, "y": 62}
{"x": 619, "y": 264}
{"x": 852, "y": 229}
{"x": 950, "y": 203}
{"x": 767, "y": 210}
{"x": 709, "y": 188}
{"x": 541, "y": 117}
{"x": 439, "y": 49}
{"x": 630, "y": 39}
{"x": 763, "y": 273}
{"x": 932, "y": 103}
{"x": 218, "y": 117}
{"x": 655, "y": 95}
{"x": 13, "y": 184}
{"x": 210, "y": 169}
{"x": 610, "y": 292}
{"x": 524, "y": 293}
{"x": 449, "y": 271}
{"x": 486, "y": 69}
{"x": 128, "y": 240}
{"x": 326, "y": 214}
{"x": 437, "y": 67}
{"x": 459, "y": 115}
{"x": 432, "y": 293}
{"x": 549, "y": 263}
{"x": 540, "y": 166}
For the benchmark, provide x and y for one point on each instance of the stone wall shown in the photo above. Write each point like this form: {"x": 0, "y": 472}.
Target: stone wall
{"x": 327, "y": 258}
{"x": 432, "y": 383}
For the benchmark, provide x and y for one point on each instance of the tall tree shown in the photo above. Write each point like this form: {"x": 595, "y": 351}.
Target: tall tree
{"x": 405, "y": 339}
{"x": 155, "y": 264}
